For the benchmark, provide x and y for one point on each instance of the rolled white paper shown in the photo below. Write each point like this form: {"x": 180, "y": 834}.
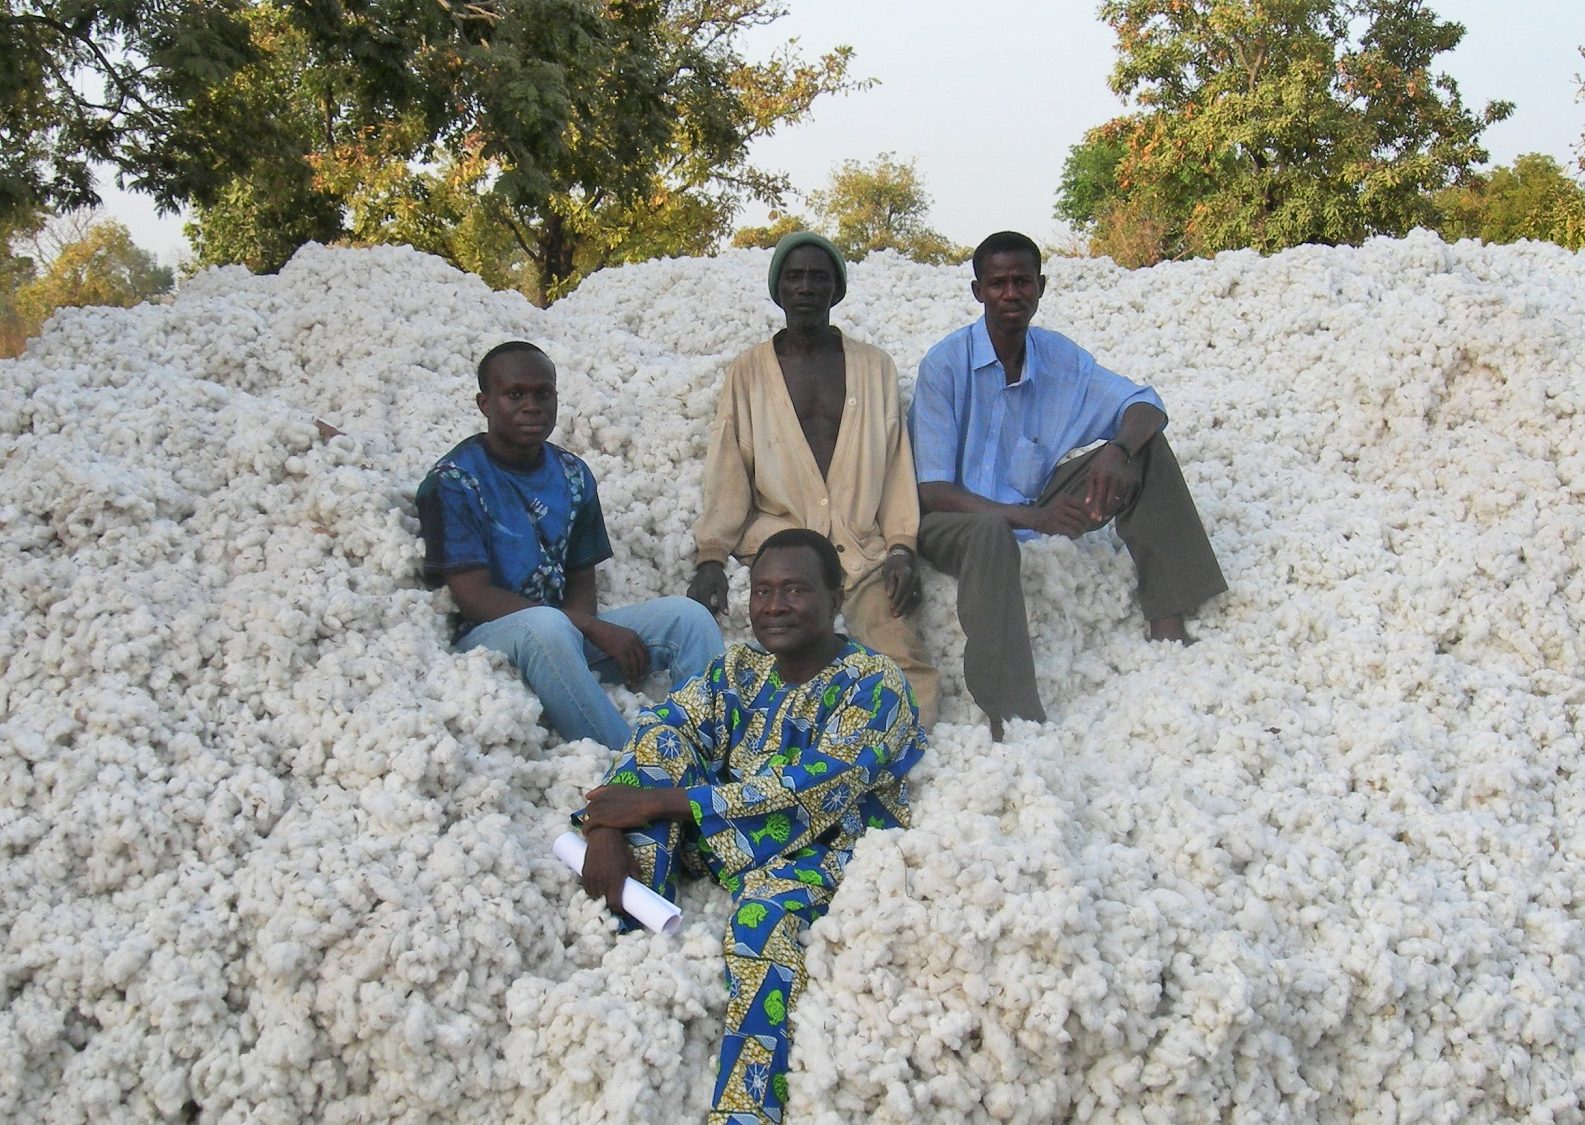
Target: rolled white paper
{"x": 654, "y": 911}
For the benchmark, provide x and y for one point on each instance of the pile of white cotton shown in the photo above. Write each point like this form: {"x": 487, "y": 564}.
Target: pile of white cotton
{"x": 269, "y": 850}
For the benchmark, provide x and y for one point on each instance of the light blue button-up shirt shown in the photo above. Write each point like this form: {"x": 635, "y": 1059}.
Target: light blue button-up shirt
{"x": 970, "y": 428}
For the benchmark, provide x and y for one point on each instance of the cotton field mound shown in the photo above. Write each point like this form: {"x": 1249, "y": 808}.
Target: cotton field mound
{"x": 272, "y": 852}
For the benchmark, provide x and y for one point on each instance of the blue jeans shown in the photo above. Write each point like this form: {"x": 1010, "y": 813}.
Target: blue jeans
{"x": 564, "y": 670}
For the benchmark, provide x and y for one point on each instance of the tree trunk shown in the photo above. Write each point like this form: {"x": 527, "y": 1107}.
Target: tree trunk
{"x": 556, "y": 247}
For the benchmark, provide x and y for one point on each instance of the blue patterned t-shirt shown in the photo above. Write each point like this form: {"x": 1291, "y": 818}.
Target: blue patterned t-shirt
{"x": 530, "y": 527}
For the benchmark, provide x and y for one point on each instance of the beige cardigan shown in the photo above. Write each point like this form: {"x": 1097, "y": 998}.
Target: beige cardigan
{"x": 760, "y": 476}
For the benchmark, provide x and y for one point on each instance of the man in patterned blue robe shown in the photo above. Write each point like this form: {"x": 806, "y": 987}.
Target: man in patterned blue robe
{"x": 765, "y": 771}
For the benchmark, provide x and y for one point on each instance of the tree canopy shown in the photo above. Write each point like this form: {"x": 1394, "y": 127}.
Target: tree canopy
{"x": 125, "y": 83}
{"x": 766, "y": 237}
{"x": 1533, "y": 198}
{"x": 530, "y": 140}
{"x": 881, "y": 206}
{"x": 1271, "y": 123}
{"x": 73, "y": 260}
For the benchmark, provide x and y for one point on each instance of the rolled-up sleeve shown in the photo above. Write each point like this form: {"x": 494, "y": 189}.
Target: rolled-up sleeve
{"x": 1107, "y": 397}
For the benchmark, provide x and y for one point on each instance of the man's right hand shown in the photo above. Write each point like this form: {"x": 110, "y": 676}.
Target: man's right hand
{"x": 607, "y": 861}
{"x": 708, "y": 587}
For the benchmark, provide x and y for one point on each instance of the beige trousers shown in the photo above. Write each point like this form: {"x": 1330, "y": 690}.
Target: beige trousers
{"x": 869, "y": 617}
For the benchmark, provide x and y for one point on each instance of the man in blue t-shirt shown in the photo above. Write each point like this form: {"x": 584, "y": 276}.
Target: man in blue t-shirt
{"x": 995, "y": 409}
{"x": 512, "y": 526}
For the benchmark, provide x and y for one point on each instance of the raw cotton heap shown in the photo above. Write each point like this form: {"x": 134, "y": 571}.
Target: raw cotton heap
{"x": 268, "y": 849}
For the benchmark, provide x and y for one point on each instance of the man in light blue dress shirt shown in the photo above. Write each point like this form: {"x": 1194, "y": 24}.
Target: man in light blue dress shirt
{"x": 997, "y": 406}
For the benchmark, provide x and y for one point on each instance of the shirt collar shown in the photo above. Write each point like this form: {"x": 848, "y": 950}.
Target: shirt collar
{"x": 982, "y": 353}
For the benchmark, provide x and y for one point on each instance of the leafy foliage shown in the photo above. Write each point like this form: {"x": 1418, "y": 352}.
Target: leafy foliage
{"x": 127, "y": 83}
{"x": 400, "y": 118}
{"x": 531, "y": 140}
{"x": 16, "y": 269}
{"x": 881, "y": 206}
{"x": 1534, "y": 198}
{"x": 1579, "y": 96}
{"x": 766, "y": 237}
{"x": 1274, "y": 123}
{"x": 1089, "y": 180}
{"x": 864, "y": 207}
{"x": 595, "y": 132}
{"x": 683, "y": 186}
{"x": 74, "y": 261}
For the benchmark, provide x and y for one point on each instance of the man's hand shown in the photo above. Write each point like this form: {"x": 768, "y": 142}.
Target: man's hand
{"x": 1111, "y": 483}
{"x": 1061, "y": 515}
{"x": 622, "y": 645}
{"x": 708, "y": 587}
{"x": 606, "y": 863}
{"x": 900, "y": 573}
{"x": 627, "y": 806}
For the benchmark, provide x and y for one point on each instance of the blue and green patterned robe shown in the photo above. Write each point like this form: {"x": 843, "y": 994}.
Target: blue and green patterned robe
{"x": 782, "y": 779}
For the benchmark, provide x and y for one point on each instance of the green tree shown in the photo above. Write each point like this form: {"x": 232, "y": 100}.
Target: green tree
{"x": 563, "y": 152}
{"x": 101, "y": 267}
{"x": 260, "y": 216}
{"x": 125, "y": 83}
{"x": 881, "y": 206}
{"x": 1534, "y": 198}
{"x": 1089, "y": 180}
{"x": 1271, "y": 123}
{"x": 17, "y": 268}
{"x": 401, "y": 118}
{"x": 685, "y": 188}
{"x": 766, "y": 237}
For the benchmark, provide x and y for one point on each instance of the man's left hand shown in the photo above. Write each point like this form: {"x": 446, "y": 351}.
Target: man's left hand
{"x": 622, "y": 645}
{"x": 626, "y": 806}
{"x": 900, "y": 573}
{"x": 1111, "y": 484}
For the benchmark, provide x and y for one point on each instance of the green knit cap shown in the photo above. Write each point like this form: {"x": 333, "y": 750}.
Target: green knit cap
{"x": 798, "y": 238}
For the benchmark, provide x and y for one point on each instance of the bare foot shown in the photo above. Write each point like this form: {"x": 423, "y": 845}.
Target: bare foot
{"x": 1171, "y": 629}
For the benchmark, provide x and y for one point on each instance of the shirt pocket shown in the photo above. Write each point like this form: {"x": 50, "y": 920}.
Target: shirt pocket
{"x": 1027, "y": 470}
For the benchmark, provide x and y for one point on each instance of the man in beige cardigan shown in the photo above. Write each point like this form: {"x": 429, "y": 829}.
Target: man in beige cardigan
{"x": 809, "y": 432}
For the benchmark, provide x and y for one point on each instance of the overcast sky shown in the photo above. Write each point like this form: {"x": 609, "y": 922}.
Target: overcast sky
{"x": 988, "y": 98}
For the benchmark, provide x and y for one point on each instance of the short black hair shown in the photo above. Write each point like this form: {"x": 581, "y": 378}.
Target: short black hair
{"x": 505, "y": 349}
{"x": 1002, "y": 242}
{"x": 830, "y": 561}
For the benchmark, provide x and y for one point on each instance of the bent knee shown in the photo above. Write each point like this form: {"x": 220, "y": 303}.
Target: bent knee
{"x": 542, "y": 627}
{"x": 685, "y": 610}
{"x": 991, "y": 533}
{"x": 692, "y": 623}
